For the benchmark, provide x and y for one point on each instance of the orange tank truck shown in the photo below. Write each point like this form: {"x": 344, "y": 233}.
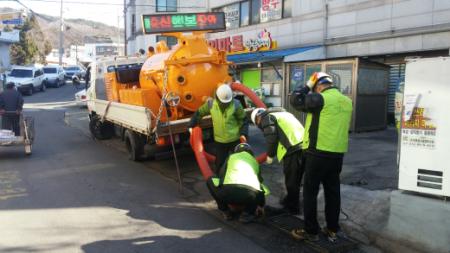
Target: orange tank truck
{"x": 194, "y": 71}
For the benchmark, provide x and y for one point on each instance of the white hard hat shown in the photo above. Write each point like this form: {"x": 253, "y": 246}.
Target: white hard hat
{"x": 224, "y": 93}
{"x": 324, "y": 78}
{"x": 255, "y": 113}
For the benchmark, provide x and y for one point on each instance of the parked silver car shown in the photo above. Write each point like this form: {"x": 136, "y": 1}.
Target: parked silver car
{"x": 54, "y": 76}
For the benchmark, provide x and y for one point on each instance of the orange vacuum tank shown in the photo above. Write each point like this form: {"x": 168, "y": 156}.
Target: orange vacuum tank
{"x": 194, "y": 68}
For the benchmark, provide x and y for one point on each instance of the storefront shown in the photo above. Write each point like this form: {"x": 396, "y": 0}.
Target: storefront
{"x": 258, "y": 62}
{"x": 365, "y": 82}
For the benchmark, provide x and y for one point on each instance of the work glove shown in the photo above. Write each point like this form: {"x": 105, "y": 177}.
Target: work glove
{"x": 312, "y": 81}
{"x": 269, "y": 160}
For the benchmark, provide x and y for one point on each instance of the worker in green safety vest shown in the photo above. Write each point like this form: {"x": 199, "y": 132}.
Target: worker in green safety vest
{"x": 283, "y": 134}
{"x": 230, "y": 122}
{"x": 325, "y": 141}
{"x": 238, "y": 188}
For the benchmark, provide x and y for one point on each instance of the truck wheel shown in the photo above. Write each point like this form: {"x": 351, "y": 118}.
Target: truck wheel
{"x": 101, "y": 130}
{"x": 134, "y": 145}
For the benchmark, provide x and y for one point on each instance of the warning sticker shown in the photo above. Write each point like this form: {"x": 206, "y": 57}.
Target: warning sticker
{"x": 419, "y": 138}
{"x": 419, "y": 130}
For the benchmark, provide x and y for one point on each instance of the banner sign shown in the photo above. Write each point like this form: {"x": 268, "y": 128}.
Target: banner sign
{"x": 15, "y": 21}
{"x": 271, "y": 10}
{"x": 185, "y": 22}
{"x": 236, "y": 44}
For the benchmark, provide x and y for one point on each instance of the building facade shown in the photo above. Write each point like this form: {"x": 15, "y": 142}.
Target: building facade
{"x": 8, "y": 35}
{"x": 134, "y": 9}
{"x": 277, "y": 44}
{"x": 328, "y": 35}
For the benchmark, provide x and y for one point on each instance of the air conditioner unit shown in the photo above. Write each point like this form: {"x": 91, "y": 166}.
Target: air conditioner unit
{"x": 425, "y": 127}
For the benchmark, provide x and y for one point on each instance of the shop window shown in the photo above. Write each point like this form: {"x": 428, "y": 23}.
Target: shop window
{"x": 271, "y": 83}
{"x": 170, "y": 40}
{"x": 166, "y": 5}
{"x": 271, "y": 75}
{"x": 245, "y": 13}
{"x": 297, "y": 76}
{"x": 310, "y": 69}
{"x": 342, "y": 75}
{"x": 287, "y": 8}
{"x": 255, "y": 11}
{"x": 231, "y": 15}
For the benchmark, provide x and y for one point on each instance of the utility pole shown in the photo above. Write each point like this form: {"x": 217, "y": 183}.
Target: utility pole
{"x": 118, "y": 34}
{"x": 125, "y": 26}
{"x": 61, "y": 35}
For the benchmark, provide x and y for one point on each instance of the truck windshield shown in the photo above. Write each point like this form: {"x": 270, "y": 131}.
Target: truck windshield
{"x": 21, "y": 73}
{"x": 49, "y": 70}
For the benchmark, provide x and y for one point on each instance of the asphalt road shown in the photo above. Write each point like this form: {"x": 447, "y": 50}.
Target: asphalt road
{"x": 76, "y": 195}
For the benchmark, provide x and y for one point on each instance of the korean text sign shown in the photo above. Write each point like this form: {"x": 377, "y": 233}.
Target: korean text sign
{"x": 183, "y": 22}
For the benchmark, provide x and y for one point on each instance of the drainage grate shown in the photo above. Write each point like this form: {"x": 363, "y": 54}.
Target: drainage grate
{"x": 429, "y": 179}
{"x": 286, "y": 223}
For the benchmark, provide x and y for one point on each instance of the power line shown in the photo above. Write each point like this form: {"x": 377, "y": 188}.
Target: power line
{"x": 117, "y": 4}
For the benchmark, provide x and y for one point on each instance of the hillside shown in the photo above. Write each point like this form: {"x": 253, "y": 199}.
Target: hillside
{"x": 76, "y": 30}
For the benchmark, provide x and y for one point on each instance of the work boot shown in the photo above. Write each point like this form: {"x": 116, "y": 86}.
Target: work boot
{"x": 227, "y": 215}
{"x": 246, "y": 218}
{"x": 293, "y": 209}
{"x": 301, "y": 235}
{"x": 332, "y": 236}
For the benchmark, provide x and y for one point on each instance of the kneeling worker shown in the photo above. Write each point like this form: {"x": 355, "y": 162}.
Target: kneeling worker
{"x": 239, "y": 186}
{"x": 283, "y": 134}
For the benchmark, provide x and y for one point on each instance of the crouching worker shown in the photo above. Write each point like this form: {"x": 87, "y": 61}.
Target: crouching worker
{"x": 238, "y": 190}
{"x": 284, "y": 135}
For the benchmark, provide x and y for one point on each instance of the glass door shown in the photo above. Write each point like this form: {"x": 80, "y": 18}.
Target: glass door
{"x": 298, "y": 75}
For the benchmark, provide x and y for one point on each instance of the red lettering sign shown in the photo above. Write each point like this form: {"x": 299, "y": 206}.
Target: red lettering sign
{"x": 166, "y": 22}
{"x": 212, "y": 19}
{"x": 274, "y": 3}
{"x": 213, "y": 43}
{"x": 224, "y": 44}
{"x": 265, "y": 5}
{"x": 238, "y": 43}
{"x": 155, "y": 22}
{"x": 202, "y": 20}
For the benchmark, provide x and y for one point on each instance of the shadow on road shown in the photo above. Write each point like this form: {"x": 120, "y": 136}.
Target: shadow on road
{"x": 159, "y": 244}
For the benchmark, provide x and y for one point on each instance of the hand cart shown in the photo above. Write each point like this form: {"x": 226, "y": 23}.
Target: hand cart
{"x": 26, "y": 137}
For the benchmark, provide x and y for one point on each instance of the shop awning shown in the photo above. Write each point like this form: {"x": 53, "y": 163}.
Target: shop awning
{"x": 266, "y": 56}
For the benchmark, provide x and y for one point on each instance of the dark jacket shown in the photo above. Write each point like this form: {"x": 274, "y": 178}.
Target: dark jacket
{"x": 273, "y": 134}
{"x": 11, "y": 100}
{"x": 313, "y": 104}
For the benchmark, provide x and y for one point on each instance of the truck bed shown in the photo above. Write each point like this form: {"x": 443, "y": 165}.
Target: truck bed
{"x": 139, "y": 119}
